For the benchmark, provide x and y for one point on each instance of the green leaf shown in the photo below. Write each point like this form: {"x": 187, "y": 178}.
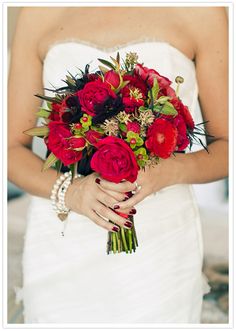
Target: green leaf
{"x": 58, "y": 166}
{"x": 118, "y": 57}
{"x": 107, "y": 63}
{"x": 41, "y": 131}
{"x": 49, "y": 105}
{"x": 122, "y": 126}
{"x": 43, "y": 113}
{"x": 142, "y": 108}
{"x": 168, "y": 109}
{"x": 163, "y": 99}
{"x": 103, "y": 69}
{"x": 50, "y": 161}
{"x": 155, "y": 89}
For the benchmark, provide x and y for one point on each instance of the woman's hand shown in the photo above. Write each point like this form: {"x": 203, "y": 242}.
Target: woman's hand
{"x": 151, "y": 180}
{"x": 96, "y": 198}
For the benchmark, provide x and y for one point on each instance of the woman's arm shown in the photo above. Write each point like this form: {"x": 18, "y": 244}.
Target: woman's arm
{"x": 24, "y": 168}
{"x": 212, "y": 74}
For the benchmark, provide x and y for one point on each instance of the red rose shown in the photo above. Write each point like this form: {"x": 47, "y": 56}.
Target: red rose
{"x": 113, "y": 78}
{"x": 114, "y": 160}
{"x": 161, "y": 138}
{"x": 78, "y": 142}
{"x": 184, "y": 111}
{"x": 69, "y": 156}
{"x": 93, "y": 137}
{"x": 58, "y": 143}
{"x": 94, "y": 93}
{"x": 149, "y": 75}
{"x": 133, "y": 126}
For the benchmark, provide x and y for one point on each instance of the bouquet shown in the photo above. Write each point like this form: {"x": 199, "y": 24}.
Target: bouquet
{"x": 116, "y": 121}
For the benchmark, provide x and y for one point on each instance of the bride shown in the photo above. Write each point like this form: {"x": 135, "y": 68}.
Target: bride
{"x": 70, "y": 279}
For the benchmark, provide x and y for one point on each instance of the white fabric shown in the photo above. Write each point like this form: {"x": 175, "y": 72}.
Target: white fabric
{"x": 71, "y": 279}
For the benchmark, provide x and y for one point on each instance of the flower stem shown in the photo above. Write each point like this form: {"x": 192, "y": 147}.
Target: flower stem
{"x": 123, "y": 239}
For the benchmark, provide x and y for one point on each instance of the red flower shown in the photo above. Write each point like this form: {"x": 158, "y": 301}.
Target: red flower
{"x": 114, "y": 160}
{"x": 133, "y": 126}
{"x": 93, "y": 137}
{"x": 131, "y": 104}
{"x": 184, "y": 111}
{"x": 134, "y": 82}
{"x": 161, "y": 138}
{"x": 58, "y": 143}
{"x": 182, "y": 138}
{"x": 62, "y": 111}
{"x": 149, "y": 75}
{"x": 78, "y": 142}
{"x": 94, "y": 93}
{"x": 111, "y": 77}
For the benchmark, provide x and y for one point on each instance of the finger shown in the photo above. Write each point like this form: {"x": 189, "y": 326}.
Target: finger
{"x": 116, "y": 195}
{"x": 109, "y": 214}
{"x": 128, "y": 204}
{"x": 120, "y": 187}
{"x": 106, "y": 199}
{"x": 102, "y": 223}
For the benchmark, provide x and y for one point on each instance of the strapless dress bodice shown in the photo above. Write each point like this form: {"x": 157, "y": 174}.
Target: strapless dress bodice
{"x": 159, "y": 55}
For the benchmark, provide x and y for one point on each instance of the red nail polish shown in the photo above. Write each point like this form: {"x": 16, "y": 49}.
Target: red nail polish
{"x": 98, "y": 180}
{"x": 129, "y": 194}
{"x": 133, "y": 211}
{"x": 116, "y": 207}
{"x": 115, "y": 228}
{"x": 128, "y": 224}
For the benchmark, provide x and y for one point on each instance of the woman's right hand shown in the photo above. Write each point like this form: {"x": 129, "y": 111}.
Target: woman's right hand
{"x": 86, "y": 197}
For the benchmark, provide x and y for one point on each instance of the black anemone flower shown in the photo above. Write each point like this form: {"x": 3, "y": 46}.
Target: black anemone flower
{"x": 109, "y": 108}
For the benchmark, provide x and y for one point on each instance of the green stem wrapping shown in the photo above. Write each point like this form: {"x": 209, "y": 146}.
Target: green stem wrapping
{"x": 130, "y": 240}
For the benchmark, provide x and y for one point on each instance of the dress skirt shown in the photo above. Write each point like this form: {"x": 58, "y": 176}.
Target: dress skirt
{"x": 71, "y": 279}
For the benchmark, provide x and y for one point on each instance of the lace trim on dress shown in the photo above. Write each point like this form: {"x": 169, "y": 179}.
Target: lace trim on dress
{"x": 117, "y": 47}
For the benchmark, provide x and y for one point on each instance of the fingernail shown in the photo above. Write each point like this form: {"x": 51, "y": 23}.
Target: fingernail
{"x": 116, "y": 207}
{"x": 126, "y": 198}
{"x": 128, "y": 224}
{"x": 98, "y": 180}
{"x": 129, "y": 194}
{"x": 115, "y": 228}
{"x": 133, "y": 211}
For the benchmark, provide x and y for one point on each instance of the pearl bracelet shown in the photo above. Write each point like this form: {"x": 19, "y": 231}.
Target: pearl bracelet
{"x": 58, "y": 195}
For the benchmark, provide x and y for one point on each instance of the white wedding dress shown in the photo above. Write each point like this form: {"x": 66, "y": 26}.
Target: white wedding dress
{"x": 71, "y": 279}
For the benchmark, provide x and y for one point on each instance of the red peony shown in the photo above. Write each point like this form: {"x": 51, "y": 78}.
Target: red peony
{"x": 113, "y": 78}
{"x": 149, "y": 75}
{"x": 93, "y": 137}
{"x": 161, "y": 138}
{"x": 94, "y": 93}
{"x": 184, "y": 111}
{"x": 58, "y": 143}
{"x": 114, "y": 160}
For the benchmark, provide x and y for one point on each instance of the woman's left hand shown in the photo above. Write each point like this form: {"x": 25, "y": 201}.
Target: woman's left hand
{"x": 149, "y": 181}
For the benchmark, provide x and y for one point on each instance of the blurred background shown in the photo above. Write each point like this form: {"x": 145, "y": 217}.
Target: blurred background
{"x": 213, "y": 203}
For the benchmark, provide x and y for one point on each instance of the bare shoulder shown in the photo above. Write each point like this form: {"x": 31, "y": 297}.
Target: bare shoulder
{"x": 35, "y": 22}
{"x": 206, "y": 24}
